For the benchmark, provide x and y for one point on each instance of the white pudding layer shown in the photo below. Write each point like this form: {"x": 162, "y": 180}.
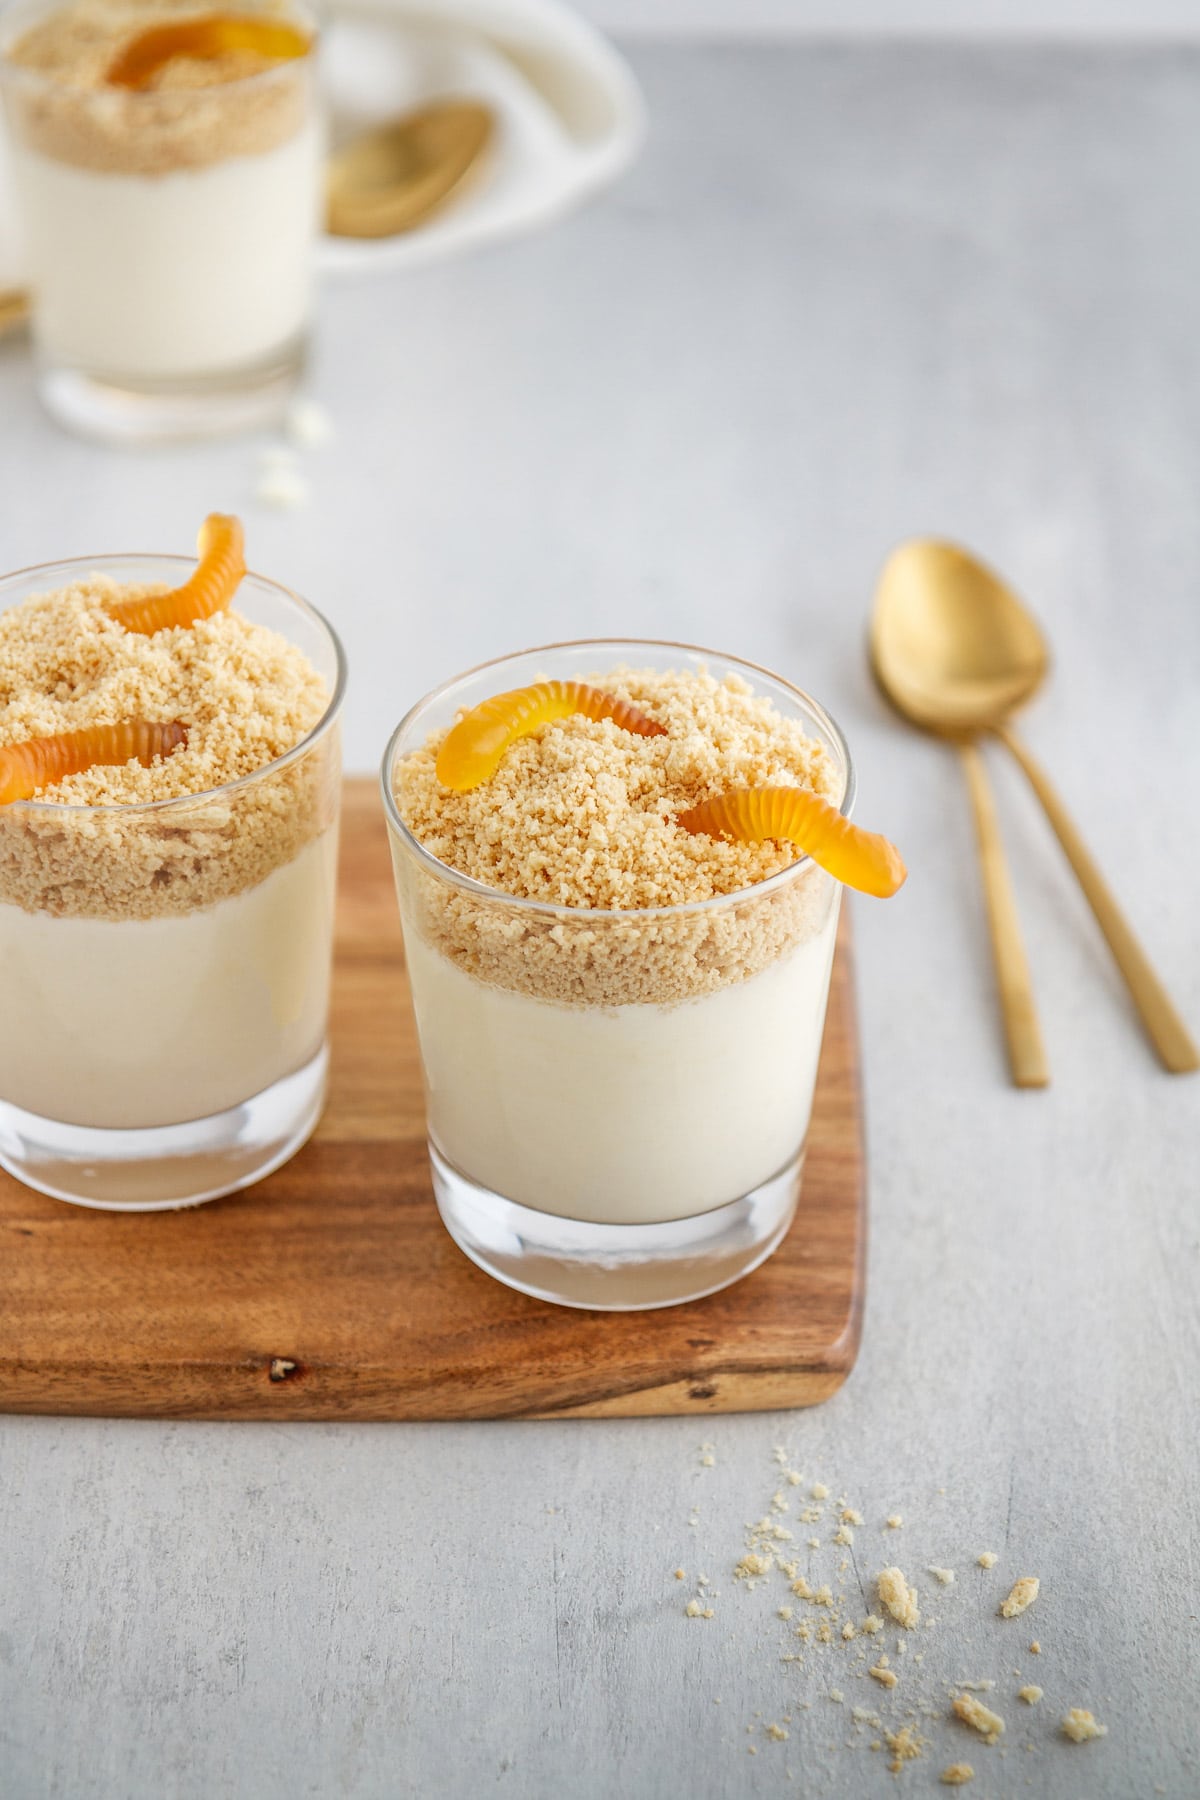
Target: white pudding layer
{"x": 130, "y": 1023}
{"x": 631, "y": 1114}
{"x": 192, "y": 272}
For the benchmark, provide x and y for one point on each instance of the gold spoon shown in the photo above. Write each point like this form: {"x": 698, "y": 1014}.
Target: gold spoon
{"x": 14, "y": 308}
{"x": 395, "y": 177}
{"x": 957, "y": 653}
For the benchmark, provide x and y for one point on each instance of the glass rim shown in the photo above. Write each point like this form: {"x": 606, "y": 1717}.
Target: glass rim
{"x": 14, "y": 20}
{"x": 480, "y": 890}
{"x": 73, "y": 808}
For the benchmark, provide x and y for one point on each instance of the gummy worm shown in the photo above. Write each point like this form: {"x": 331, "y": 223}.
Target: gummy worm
{"x": 860, "y": 859}
{"x": 209, "y": 590}
{"x": 472, "y": 751}
{"x": 139, "y": 61}
{"x": 41, "y": 762}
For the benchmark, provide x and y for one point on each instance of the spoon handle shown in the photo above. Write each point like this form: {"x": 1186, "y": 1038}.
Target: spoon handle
{"x": 1026, "y": 1052}
{"x": 1167, "y": 1031}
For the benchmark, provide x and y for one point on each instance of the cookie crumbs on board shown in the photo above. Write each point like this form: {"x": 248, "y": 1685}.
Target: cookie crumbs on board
{"x": 945, "y": 1576}
{"x": 1023, "y": 1595}
{"x": 957, "y": 1775}
{"x": 1035, "y": 1649}
{"x": 884, "y": 1676}
{"x": 1080, "y": 1725}
{"x": 1031, "y": 1694}
{"x": 894, "y": 1521}
{"x": 906, "y": 1745}
{"x": 987, "y": 1559}
{"x": 899, "y": 1598}
{"x": 979, "y": 1717}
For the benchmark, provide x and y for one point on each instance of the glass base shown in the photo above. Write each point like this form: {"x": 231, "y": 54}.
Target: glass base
{"x": 166, "y": 1166}
{"x": 614, "y": 1268}
{"x": 117, "y": 410}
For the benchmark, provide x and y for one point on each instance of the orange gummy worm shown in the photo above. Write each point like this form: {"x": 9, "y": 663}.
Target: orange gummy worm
{"x": 213, "y": 35}
{"x": 860, "y": 859}
{"x": 40, "y": 762}
{"x": 471, "y": 753}
{"x": 209, "y": 590}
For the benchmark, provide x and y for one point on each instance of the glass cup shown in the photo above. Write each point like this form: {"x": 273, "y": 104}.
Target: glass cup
{"x": 617, "y": 1101}
{"x": 170, "y": 237}
{"x": 164, "y": 968}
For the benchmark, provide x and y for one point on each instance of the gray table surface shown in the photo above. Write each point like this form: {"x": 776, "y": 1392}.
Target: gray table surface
{"x": 849, "y": 294}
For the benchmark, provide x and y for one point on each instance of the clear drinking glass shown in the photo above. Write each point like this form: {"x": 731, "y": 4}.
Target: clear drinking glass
{"x": 170, "y": 237}
{"x": 164, "y": 968}
{"x": 617, "y": 1100}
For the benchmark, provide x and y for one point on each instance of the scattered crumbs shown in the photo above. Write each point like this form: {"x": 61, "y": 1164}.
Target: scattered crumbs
{"x": 837, "y": 1696}
{"x": 920, "y": 1656}
{"x": 894, "y": 1521}
{"x": 901, "y": 1647}
{"x": 825, "y": 1634}
{"x": 945, "y": 1576}
{"x": 957, "y": 1775}
{"x": 794, "y": 1477}
{"x": 905, "y": 1746}
{"x": 1035, "y": 1649}
{"x": 778, "y": 1503}
{"x": 819, "y": 1491}
{"x": 695, "y": 1610}
{"x": 708, "y": 1460}
{"x": 752, "y": 1565}
{"x": 751, "y": 1749}
{"x": 862, "y": 1715}
{"x": 850, "y": 1516}
{"x": 843, "y": 1535}
{"x": 702, "y": 1580}
{"x": 790, "y": 1569}
{"x": 1079, "y": 1725}
{"x": 814, "y": 1543}
{"x": 884, "y": 1676}
{"x": 872, "y": 1623}
{"x": 804, "y": 1631}
{"x": 801, "y": 1588}
{"x": 987, "y": 1559}
{"x": 977, "y": 1687}
{"x": 785, "y": 1612}
{"x": 810, "y": 1514}
{"x": 849, "y": 1630}
{"x": 979, "y": 1717}
{"x": 823, "y": 1596}
{"x": 307, "y": 423}
{"x": 779, "y": 1455}
{"x": 1030, "y": 1695}
{"x": 1024, "y": 1593}
{"x": 778, "y": 1732}
{"x": 681, "y": 1574}
{"x": 283, "y": 486}
{"x": 899, "y": 1598}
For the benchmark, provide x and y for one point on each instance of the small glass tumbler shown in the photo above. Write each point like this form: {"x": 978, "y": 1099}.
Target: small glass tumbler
{"x": 170, "y": 235}
{"x": 618, "y": 1101}
{"x": 165, "y": 967}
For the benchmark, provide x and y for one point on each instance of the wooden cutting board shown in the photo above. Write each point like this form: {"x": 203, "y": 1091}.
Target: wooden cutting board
{"x": 332, "y": 1291}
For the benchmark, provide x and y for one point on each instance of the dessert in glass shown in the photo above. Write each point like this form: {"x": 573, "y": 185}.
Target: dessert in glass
{"x": 168, "y": 168}
{"x": 169, "y": 796}
{"x": 619, "y": 958}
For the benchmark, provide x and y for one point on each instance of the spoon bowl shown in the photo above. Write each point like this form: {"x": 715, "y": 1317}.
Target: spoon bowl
{"x": 951, "y": 645}
{"x": 391, "y": 179}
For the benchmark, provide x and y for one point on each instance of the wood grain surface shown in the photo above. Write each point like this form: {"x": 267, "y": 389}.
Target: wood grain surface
{"x": 332, "y": 1291}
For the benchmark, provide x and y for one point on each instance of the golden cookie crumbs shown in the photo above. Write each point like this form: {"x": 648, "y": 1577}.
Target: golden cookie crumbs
{"x": 979, "y": 1717}
{"x": 883, "y": 1675}
{"x": 1024, "y": 1593}
{"x": 819, "y": 1490}
{"x": 247, "y": 697}
{"x": 1031, "y": 1694}
{"x": 945, "y": 1576}
{"x": 1080, "y": 1725}
{"x": 753, "y": 1565}
{"x": 899, "y": 1598}
{"x": 581, "y": 815}
{"x": 850, "y": 1516}
{"x": 849, "y": 1630}
{"x": 905, "y": 1745}
{"x": 1035, "y": 1649}
{"x": 75, "y": 116}
{"x": 957, "y": 1775}
{"x": 872, "y": 1623}
{"x": 778, "y": 1732}
{"x": 987, "y": 1559}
